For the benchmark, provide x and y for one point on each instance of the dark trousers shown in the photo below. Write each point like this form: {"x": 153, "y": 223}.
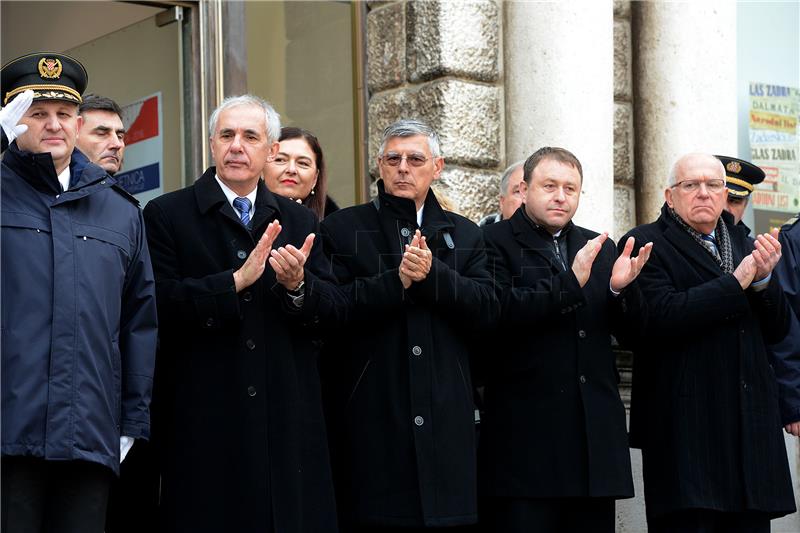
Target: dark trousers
{"x": 133, "y": 499}
{"x": 551, "y": 515}
{"x": 707, "y": 521}
{"x": 41, "y": 496}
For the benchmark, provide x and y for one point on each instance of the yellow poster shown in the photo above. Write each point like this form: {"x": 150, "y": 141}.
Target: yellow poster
{"x": 775, "y": 147}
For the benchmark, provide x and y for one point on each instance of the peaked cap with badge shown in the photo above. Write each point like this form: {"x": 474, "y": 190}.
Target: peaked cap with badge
{"x": 50, "y": 75}
{"x": 741, "y": 176}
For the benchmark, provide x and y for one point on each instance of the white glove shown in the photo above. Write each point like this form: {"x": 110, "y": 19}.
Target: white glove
{"x": 10, "y": 115}
{"x": 125, "y": 444}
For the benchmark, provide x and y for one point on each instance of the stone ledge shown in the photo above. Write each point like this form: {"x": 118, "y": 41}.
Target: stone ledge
{"x": 447, "y": 38}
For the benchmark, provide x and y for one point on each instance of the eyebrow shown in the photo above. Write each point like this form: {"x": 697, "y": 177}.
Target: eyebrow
{"x": 232, "y": 130}
{"x": 102, "y": 128}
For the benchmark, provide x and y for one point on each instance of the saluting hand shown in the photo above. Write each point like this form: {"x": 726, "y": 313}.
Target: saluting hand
{"x": 256, "y": 262}
{"x": 627, "y": 268}
{"x": 289, "y": 262}
{"x": 582, "y": 265}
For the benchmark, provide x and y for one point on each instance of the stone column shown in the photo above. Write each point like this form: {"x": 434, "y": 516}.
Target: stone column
{"x": 559, "y": 63}
{"x": 684, "y": 71}
{"x": 439, "y": 61}
{"x": 624, "y": 193}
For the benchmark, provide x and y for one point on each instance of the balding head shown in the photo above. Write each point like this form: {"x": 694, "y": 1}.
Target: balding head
{"x": 696, "y": 190}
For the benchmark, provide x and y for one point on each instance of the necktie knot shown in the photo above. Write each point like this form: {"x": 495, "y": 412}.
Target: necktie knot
{"x": 243, "y": 205}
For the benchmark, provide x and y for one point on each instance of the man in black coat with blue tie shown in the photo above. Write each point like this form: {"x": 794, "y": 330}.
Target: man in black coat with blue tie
{"x": 554, "y": 442}
{"x": 704, "y": 407}
{"x": 242, "y": 293}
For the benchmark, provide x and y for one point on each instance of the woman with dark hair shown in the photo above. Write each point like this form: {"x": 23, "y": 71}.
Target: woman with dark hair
{"x": 298, "y": 171}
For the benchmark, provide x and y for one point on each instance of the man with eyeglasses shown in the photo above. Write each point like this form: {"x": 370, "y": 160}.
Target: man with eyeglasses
{"x": 400, "y": 402}
{"x": 704, "y": 405}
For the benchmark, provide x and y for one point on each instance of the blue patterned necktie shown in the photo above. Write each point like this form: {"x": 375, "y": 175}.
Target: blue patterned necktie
{"x": 710, "y": 243}
{"x": 243, "y": 205}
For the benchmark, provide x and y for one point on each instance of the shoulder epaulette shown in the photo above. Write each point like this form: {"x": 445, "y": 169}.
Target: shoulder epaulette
{"x": 791, "y": 222}
{"x": 125, "y": 194}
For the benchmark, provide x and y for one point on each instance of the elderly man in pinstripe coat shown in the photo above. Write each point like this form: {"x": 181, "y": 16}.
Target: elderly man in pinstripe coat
{"x": 705, "y": 402}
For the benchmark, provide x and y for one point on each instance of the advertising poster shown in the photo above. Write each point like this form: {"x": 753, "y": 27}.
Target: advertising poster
{"x": 775, "y": 146}
{"x": 144, "y": 148}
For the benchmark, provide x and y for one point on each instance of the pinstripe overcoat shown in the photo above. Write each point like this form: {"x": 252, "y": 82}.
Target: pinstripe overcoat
{"x": 705, "y": 402}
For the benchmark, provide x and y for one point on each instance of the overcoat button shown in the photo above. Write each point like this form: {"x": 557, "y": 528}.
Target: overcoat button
{"x": 405, "y": 232}
{"x": 418, "y": 420}
{"x": 209, "y": 322}
{"x": 241, "y": 254}
{"x": 248, "y": 296}
{"x": 582, "y": 379}
{"x": 416, "y": 350}
{"x": 251, "y": 391}
{"x": 250, "y": 344}
{"x": 581, "y": 334}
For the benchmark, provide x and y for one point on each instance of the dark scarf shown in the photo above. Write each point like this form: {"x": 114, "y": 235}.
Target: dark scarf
{"x": 724, "y": 254}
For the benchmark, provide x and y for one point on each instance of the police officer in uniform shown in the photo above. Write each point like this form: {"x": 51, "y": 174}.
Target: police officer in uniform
{"x": 786, "y": 354}
{"x": 741, "y": 178}
{"x": 78, "y": 309}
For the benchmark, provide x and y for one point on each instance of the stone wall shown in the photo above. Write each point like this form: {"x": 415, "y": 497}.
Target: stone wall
{"x": 624, "y": 193}
{"x": 439, "y": 61}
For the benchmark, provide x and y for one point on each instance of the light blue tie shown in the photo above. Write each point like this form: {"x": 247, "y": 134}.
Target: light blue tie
{"x": 243, "y": 205}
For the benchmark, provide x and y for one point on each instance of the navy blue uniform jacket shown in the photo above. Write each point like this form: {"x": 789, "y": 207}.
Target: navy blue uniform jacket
{"x": 79, "y": 312}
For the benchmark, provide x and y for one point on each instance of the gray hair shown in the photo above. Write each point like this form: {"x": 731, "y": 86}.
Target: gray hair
{"x": 409, "y": 128}
{"x": 673, "y": 171}
{"x": 507, "y": 177}
{"x": 271, "y": 118}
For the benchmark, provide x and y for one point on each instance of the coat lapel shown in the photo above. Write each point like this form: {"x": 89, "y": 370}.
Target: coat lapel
{"x": 266, "y": 208}
{"x": 530, "y": 241}
{"x": 692, "y": 249}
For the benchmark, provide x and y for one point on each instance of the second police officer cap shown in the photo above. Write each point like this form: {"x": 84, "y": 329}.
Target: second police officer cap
{"x": 741, "y": 176}
{"x": 51, "y": 76}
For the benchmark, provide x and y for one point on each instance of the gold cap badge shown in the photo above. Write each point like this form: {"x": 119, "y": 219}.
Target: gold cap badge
{"x": 734, "y": 167}
{"x": 50, "y": 68}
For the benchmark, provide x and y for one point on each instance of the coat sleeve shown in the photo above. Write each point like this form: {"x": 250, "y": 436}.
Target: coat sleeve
{"x": 670, "y": 309}
{"x": 365, "y": 296}
{"x": 207, "y": 302}
{"x": 137, "y": 340}
{"x": 464, "y": 292}
{"x": 785, "y": 354}
{"x": 324, "y": 304}
{"x": 548, "y": 296}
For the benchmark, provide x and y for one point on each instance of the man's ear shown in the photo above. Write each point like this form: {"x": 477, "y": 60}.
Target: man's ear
{"x": 668, "y": 196}
{"x": 438, "y": 166}
{"x": 273, "y": 150}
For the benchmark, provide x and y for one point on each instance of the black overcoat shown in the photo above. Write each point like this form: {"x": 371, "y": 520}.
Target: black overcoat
{"x": 705, "y": 402}
{"x": 554, "y": 424}
{"x": 401, "y": 401}
{"x": 238, "y": 413}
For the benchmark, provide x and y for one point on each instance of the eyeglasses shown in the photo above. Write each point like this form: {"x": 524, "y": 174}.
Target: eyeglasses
{"x": 393, "y": 160}
{"x": 692, "y": 186}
